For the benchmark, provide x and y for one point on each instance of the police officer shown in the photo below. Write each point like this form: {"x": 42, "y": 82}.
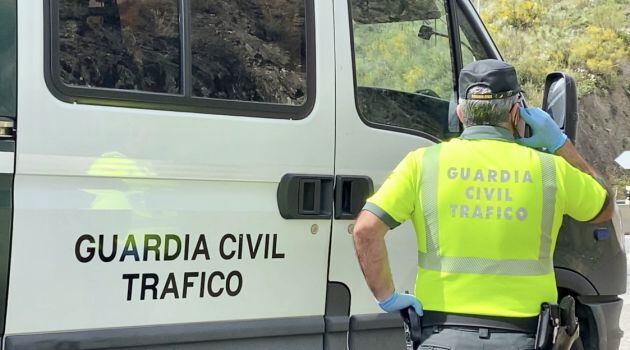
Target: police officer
{"x": 486, "y": 208}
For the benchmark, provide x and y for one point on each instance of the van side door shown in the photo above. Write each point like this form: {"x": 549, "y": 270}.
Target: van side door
{"x": 8, "y": 116}
{"x": 153, "y": 138}
{"x": 396, "y": 92}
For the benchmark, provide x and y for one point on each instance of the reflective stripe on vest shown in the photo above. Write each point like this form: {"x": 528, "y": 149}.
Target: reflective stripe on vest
{"x": 432, "y": 260}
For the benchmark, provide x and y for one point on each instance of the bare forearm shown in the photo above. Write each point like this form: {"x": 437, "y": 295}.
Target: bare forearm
{"x": 571, "y": 155}
{"x": 374, "y": 263}
{"x": 369, "y": 243}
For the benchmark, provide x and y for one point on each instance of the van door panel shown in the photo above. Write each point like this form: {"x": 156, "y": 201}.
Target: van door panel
{"x": 89, "y": 173}
{"x": 367, "y": 149}
{"x": 283, "y": 333}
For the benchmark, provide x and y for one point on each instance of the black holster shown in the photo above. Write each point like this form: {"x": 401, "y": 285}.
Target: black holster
{"x": 413, "y": 327}
{"x": 558, "y": 326}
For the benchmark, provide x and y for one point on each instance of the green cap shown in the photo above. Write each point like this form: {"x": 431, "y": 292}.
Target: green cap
{"x": 495, "y": 75}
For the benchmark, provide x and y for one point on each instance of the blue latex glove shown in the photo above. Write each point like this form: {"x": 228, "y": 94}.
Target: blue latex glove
{"x": 397, "y": 301}
{"x": 546, "y": 132}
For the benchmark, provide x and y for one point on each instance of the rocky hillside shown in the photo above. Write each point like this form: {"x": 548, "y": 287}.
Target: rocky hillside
{"x": 249, "y": 50}
{"x": 604, "y": 128}
{"x": 120, "y": 46}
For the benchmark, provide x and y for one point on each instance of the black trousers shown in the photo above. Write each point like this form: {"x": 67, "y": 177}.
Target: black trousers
{"x": 457, "y": 338}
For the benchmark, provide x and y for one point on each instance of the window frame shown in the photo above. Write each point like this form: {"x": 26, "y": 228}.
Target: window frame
{"x": 451, "y": 7}
{"x": 478, "y": 27}
{"x": 395, "y": 128}
{"x": 185, "y": 101}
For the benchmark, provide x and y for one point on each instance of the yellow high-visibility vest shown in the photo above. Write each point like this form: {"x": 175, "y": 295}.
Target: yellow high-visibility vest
{"x": 487, "y": 212}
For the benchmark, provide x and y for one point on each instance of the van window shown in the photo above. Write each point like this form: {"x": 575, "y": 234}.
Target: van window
{"x": 249, "y": 50}
{"x": 202, "y": 56}
{"x": 404, "y": 72}
{"x": 127, "y": 45}
{"x": 8, "y": 59}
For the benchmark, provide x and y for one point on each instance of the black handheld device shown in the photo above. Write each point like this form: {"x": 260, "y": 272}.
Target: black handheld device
{"x": 521, "y": 103}
{"x": 544, "y": 329}
{"x": 414, "y": 325}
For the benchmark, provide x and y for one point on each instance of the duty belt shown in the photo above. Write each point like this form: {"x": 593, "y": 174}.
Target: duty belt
{"x": 555, "y": 328}
{"x": 510, "y": 324}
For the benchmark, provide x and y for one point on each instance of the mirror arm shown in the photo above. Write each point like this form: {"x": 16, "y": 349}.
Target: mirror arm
{"x": 440, "y": 34}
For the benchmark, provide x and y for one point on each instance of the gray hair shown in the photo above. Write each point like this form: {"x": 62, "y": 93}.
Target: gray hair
{"x": 486, "y": 112}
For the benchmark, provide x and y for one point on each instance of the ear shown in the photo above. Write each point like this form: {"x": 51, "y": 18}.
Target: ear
{"x": 458, "y": 111}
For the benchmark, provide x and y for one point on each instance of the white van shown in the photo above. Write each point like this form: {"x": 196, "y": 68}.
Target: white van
{"x": 184, "y": 174}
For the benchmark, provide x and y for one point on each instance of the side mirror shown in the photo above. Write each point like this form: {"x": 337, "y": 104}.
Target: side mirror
{"x": 560, "y": 101}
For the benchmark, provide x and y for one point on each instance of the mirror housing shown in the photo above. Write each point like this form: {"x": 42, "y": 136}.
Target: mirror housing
{"x": 391, "y": 11}
{"x": 561, "y": 102}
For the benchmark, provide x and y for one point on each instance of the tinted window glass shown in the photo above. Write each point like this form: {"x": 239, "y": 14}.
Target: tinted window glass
{"x": 249, "y": 50}
{"x": 8, "y": 59}
{"x": 120, "y": 44}
{"x": 404, "y": 73}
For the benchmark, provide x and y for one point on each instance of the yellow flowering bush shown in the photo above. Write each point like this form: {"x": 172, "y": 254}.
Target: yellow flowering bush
{"x": 599, "y": 50}
{"x": 587, "y": 39}
{"x": 519, "y": 13}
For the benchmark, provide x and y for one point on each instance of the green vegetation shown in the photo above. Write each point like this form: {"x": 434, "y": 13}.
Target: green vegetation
{"x": 588, "y": 39}
{"x": 391, "y": 56}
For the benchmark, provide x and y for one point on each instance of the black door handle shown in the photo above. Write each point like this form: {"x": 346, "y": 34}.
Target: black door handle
{"x": 305, "y": 196}
{"x": 351, "y": 192}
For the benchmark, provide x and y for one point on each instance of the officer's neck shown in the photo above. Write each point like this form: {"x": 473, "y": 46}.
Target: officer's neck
{"x": 492, "y": 132}
{"x": 508, "y": 126}
{"x": 511, "y": 128}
